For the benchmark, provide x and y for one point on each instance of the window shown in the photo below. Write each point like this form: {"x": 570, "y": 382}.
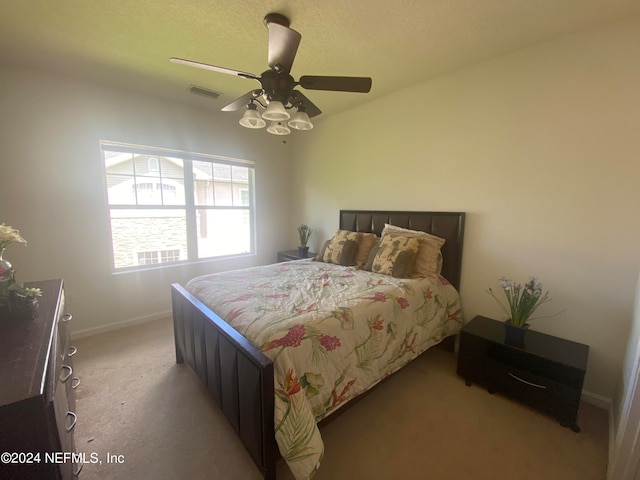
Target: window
{"x": 167, "y": 206}
{"x": 162, "y": 256}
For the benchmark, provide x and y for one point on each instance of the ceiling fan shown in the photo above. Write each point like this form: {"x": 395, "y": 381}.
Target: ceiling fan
{"x": 278, "y": 93}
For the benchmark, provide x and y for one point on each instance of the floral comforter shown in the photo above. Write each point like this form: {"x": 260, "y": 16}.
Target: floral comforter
{"x": 332, "y": 332}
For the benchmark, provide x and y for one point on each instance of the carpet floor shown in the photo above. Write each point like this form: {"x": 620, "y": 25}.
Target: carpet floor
{"x": 142, "y": 417}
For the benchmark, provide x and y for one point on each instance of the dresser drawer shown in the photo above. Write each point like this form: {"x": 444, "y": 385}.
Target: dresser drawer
{"x": 66, "y": 351}
{"x": 62, "y": 414}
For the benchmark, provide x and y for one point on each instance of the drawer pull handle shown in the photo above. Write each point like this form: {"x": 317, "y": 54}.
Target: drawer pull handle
{"x": 528, "y": 383}
{"x": 63, "y": 379}
{"x": 74, "y": 419}
{"x": 72, "y": 351}
{"x": 75, "y": 381}
{"x": 78, "y": 469}
{"x": 67, "y": 317}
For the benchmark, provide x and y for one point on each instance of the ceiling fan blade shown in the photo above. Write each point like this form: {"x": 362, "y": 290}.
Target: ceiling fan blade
{"x": 206, "y": 66}
{"x": 283, "y": 45}
{"x": 337, "y": 84}
{"x": 309, "y": 106}
{"x": 242, "y": 101}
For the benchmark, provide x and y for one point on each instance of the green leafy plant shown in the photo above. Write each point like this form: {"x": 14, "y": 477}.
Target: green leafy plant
{"x": 522, "y": 300}
{"x": 13, "y": 293}
{"x": 305, "y": 232}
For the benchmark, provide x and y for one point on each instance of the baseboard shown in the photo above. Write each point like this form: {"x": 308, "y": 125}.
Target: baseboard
{"x": 612, "y": 444}
{"x": 597, "y": 400}
{"x": 88, "y": 332}
{"x": 606, "y": 404}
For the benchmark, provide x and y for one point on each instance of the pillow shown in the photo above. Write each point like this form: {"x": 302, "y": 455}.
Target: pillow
{"x": 342, "y": 248}
{"x": 366, "y": 241}
{"x": 320, "y": 254}
{"x": 394, "y": 256}
{"x": 429, "y": 257}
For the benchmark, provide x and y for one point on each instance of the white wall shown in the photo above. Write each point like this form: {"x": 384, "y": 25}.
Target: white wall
{"x": 52, "y": 190}
{"x": 540, "y": 148}
{"x": 624, "y": 454}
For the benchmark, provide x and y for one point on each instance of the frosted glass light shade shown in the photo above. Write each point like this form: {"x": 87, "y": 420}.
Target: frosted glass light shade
{"x": 275, "y": 112}
{"x": 252, "y": 119}
{"x": 278, "y": 128}
{"x": 300, "y": 121}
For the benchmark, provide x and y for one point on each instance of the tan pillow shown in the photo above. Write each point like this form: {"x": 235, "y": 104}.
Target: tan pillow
{"x": 395, "y": 255}
{"x": 429, "y": 257}
{"x": 366, "y": 242}
{"x": 320, "y": 254}
{"x": 342, "y": 248}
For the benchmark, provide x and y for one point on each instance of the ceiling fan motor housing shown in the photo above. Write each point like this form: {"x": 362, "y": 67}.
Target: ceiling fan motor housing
{"x": 277, "y": 86}
{"x": 277, "y": 18}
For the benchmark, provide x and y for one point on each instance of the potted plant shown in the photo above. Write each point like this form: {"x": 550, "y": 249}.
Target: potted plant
{"x": 304, "y": 232}
{"x": 522, "y": 301}
{"x": 16, "y": 300}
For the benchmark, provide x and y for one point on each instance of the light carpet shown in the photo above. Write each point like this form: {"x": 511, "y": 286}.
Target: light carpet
{"x": 154, "y": 420}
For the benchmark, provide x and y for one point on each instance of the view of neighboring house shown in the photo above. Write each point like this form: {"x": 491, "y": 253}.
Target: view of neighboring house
{"x": 154, "y": 201}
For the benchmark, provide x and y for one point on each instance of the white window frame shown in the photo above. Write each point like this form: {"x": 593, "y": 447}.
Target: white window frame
{"x": 189, "y": 206}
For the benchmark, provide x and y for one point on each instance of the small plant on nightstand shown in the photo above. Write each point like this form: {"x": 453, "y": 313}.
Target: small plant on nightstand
{"x": 522, "y": 301}
{"x": 304, "y": 231}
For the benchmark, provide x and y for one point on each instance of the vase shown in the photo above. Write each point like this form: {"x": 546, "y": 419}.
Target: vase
{"x": 4, "y": 264}
{"x": 303, "y": 252}
{"x": 513, "y": 334}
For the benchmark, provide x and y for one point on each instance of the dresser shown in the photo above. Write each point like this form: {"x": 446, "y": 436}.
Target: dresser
{"x": 546, "y": 372}
{"x": 37, "y": 392}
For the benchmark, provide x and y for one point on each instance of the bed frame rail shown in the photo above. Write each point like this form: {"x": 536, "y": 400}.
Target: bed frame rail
{"x": 238, "y": 376}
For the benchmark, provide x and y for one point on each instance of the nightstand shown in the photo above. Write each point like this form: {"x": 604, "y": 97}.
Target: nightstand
{"x": 546, "y": 372}
{"x": 292, "y": 255}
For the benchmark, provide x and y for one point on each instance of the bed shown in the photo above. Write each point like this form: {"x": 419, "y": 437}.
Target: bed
{"x": 276, "y": 387}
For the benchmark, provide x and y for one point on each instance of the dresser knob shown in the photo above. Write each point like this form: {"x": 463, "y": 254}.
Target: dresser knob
{"x": 67, "y": 317}
{"x": 75, "y": 381}
{"x": 74, "y": 419}
{"x": 72, "y": 351}
{"x": 78, "y": 469}
{"x": 66, "y": 377}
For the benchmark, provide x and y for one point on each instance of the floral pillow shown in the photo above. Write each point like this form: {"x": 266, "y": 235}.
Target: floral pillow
{"x": 342, "y": 248}
{"x": 429, "y": 257}
{"x": 394, "y": 256}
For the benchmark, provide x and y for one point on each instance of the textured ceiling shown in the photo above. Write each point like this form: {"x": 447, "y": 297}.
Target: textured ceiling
{"x": 398, "y": 43}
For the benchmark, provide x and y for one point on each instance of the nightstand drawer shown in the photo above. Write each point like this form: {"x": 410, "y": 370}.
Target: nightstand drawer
{"x": 542, "y": 367}
{"x": 522, "y": 385}
{"x": 545, "y": 372}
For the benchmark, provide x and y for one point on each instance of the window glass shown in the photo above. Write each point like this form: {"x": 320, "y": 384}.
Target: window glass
{"x": 223, "y": 232}
{"x": 151, "y": 221}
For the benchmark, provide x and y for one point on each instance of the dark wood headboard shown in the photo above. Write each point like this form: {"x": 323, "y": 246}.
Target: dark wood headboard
{"x": 447, "y": 225}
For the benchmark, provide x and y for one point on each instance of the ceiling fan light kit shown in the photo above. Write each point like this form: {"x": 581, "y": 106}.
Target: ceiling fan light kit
{"x": 275, "y": 112}
{"x": 278, "y": 128}
{"x": 251, "y": 118}
{"x": 300, "y": 121}
{"x": 278, "y": 86}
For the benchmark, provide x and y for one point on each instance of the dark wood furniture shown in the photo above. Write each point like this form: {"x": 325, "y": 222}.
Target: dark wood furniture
{"x": 545, "y": 372}
{"x": 239, "y": 376}
{"x": 37, "y": 399}
{"x": 289, "y": 255}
